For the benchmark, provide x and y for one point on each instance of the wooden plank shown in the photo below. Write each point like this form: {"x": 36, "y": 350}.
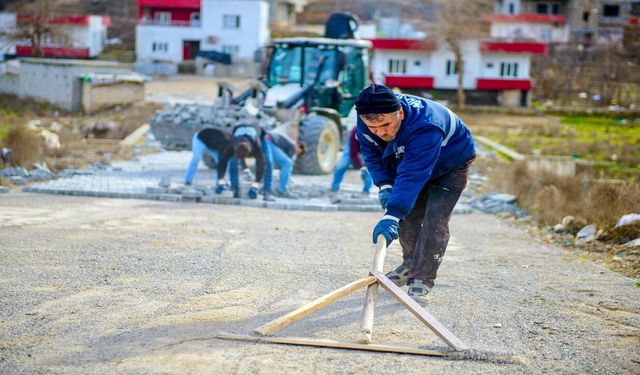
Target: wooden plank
{"x": 312, "y": 306}
{"x": 420, "y": 312}
{"x": 498, "y": 147}
{"x": 327, "y": 343}
{"x": 368, "y": 311}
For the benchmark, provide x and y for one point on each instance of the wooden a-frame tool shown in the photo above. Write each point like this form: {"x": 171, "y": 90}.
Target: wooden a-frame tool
{"x": 375, "y": 279}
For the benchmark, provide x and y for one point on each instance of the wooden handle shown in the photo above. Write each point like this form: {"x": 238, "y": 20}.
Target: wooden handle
{"x": 366, "y": 326}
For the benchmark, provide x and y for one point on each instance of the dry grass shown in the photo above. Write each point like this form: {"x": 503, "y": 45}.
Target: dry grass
{"x": 26, "y": 146}
{"x": 550, "y": 198}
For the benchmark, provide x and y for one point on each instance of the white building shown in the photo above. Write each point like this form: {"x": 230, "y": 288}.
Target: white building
{"x": 174, "y": 31}
{"x": 546, "y": 21}
{"x": 80, "y": 36}
{"x": 498, "y": 71}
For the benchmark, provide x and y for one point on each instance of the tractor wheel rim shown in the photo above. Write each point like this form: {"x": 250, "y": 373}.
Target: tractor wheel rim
{"x": 327, "y": 149}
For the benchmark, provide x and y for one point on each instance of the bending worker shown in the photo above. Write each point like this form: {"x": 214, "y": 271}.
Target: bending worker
{"x": 248, "y": 141}
{"x": 210, "y": 140}
{"x": 419, "y": 154}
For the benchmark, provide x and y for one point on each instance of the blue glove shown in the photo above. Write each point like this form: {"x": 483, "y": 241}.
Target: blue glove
{"x": 253, "y": 193}
{"x": 384, "y": 195}
{"x": 387, "y": 228}
{"x": 219, "y": 188}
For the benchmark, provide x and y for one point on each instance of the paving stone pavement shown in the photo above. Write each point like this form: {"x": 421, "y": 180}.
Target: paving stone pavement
{"x": 140, "y": 179}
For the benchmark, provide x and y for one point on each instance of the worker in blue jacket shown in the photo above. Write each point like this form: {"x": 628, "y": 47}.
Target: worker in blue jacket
{"x": 418, "y": 153}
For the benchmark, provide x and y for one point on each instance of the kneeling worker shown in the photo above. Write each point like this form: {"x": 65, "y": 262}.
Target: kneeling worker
{"x": 419, "y": 154}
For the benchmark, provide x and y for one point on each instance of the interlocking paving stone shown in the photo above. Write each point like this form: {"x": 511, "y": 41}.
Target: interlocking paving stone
{"x": 140, "y": 179}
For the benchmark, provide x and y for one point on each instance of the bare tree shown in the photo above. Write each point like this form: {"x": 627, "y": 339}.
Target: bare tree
{"x": 457, "y": 21}
{"x": 36, "y": 23}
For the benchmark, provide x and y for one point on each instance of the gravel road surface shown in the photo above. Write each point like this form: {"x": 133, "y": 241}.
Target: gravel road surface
{"x": 105, "y": 286}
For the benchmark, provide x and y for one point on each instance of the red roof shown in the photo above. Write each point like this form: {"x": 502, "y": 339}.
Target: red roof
{"x": 403, "y": 44}
{"x": 515, "y": 47}
{"x": 407, "y": 82}
{"x": 503, "y": 84}
{"x": 539, "y": 18}
{"x": 170, "y": 3}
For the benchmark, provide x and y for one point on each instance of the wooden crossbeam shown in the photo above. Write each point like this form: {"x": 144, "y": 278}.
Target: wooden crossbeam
{"x": 326, "y": 343}
{"x": 420, "y": 312}
{"x": 312, "y": 306}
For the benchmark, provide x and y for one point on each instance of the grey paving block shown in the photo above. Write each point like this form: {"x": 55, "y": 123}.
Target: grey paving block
{"x": 157, "y": 190}
{"x": 170, "y": 197}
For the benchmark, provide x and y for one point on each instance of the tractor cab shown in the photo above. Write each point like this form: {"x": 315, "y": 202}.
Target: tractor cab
{"x": 335, "y": 69}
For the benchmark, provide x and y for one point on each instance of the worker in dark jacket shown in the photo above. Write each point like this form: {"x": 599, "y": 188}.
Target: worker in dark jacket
{"x": 210, "y": 140}
{"x": 351, "y": 156}
{"x": 419, "y": 154}
{"x": 247, "y": 141}
{"x": 280, "y": 151}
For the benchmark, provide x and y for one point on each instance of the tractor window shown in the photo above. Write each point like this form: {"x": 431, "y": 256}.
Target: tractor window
{"x": 285, "y": 66}
{"x": 320, "y": 61}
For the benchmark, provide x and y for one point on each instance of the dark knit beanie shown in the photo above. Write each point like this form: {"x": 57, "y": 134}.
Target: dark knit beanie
{"x": 377, "y": 99}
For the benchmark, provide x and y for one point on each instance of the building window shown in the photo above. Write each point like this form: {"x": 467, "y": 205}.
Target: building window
{"x": 542, "y": 8}
{"x": 508, "y": 69}
{"x": 231, "y": 49}
{"x": 163, "y": 18}
{"x": 160, "y": 47}
{"x": 397, "y": 66}
{"x": 548, "y": 8}
{"x": 451, "y": 68}
{"x": 611, "y": 11}
{"x": 489, "y": 65}
{"x": 512, "y": 8}
{"x": 195, "y": 19}
{"x": 231, "y": 21}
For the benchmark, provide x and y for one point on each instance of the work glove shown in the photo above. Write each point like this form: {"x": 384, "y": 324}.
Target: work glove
{"x": 383, "y": 195}
{"x": 220, "y": 188}
{"x": 253, "y": 193}
{"x": 388, "y": 228}
{"x": 364, "y": 173}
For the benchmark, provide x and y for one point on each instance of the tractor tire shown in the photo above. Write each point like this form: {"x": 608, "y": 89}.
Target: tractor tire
{"x": 321, "y": 138}
{"x": 208, "y": 161}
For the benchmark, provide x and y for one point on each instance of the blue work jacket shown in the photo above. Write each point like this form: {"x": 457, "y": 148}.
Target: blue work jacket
{"x": 431, "y": 142}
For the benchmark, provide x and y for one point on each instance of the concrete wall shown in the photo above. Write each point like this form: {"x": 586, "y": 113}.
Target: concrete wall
{"x": 58, "y": 81}
{"x": 96, "y": 97}
{"x": 10, "y": 84}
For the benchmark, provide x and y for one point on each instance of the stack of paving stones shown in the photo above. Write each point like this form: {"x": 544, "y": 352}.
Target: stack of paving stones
{"x": 175, "y": 123}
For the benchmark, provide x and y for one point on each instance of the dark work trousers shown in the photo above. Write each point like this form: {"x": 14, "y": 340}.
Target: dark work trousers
{"x": 424, "y": 233}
